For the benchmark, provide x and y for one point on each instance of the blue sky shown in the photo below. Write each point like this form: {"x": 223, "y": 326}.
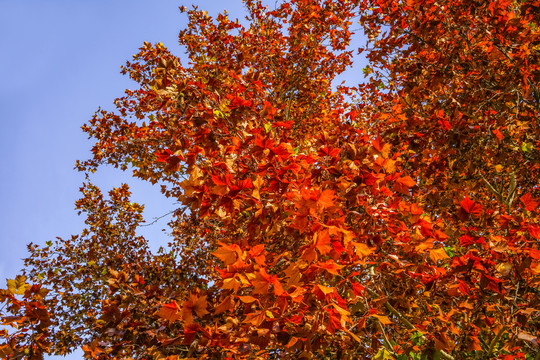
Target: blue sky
{"x": 60, "y": 60}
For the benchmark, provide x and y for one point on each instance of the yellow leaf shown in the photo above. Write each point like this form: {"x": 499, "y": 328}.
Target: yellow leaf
{"x": 362, "y": 250}
{"x": 504, "y": 268}
{"x": 438, "y": 254}
{"x": 17, "y": 286}
{"x": 383, "y": 319}
{"x": 325, "y": 289}
{"x": 382, "y": 354}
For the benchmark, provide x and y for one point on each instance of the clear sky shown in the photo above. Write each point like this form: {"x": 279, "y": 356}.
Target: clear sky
{"x": 59, "y": 61}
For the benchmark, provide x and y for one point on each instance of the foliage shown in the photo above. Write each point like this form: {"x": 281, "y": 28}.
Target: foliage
{"x": 393, "y": 220}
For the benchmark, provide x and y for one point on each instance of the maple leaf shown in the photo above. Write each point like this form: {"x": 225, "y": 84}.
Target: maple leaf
{"x": 403, "y": 184}
{"x": 325, "y": 289}
{"x": 196, "y": 304}
{"x": 383, "y": 319}
{"x": 331, "y": 266}
{"x": 326, "y": 199}
{"x": 334, "y": 323}
{"x": 283, "y": 124}
{"x": 163, "y": 156}
{"x": 262, "y": 282}
{"x": 498, "y": 134}
{"x": 357, "y": 288}
{"x": 17, "y": 286}
{"x": 362, "y": 250}
{"x": 323, "y": 243}
{"x": 169, "y": 312}
{"x": 258, "y": 254}
{"x": 406, "y": 181}
{"x": 255, "y": 318}
{"x": 225, "y": 305}
{"x": 529, "y": 202}
{"x": 438, "y": 254}
{"x": 282, "y": 151}
{"x": 471, "y": 207}
{"x": 228, "y": 253}
{"x": 247, "y": 299}
{"x": 534, "y": 231}
{"x": 384, "y": 149}
{"x": 269, "y": 110}
{"x": 326, "y": 151}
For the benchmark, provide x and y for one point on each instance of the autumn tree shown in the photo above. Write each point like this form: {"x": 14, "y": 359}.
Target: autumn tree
{"x": 391, "y": 220}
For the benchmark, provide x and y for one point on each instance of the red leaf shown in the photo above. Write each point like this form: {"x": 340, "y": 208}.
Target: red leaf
{"x": 284, "y": 124}
{"x": 534, "y": 231}
{"x": 281, "y": 151}
{"x": 464, "y": 288}
{"x": 162, "y": 156}
{"x": 533, "y": 253}
{"x": 357, "y": 288}
{"x": 245, "y": 184}
{"x": 217, "y": 180}
{"x": 471, "y": 207}
{"x": 529, "y": 202}
{"x": 327, "y": 151}
{"x": 173, "y": 163}
{"x": 498, "y": 134}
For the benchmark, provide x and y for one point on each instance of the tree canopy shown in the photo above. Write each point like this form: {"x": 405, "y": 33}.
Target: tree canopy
{"x": 393, "y": 219}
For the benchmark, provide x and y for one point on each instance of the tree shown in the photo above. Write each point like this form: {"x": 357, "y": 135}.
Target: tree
{"x": 392, "y": 220}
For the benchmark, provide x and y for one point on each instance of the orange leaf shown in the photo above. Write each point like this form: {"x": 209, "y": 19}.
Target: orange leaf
{"x": 169, "y": 312}
{"x": 403, "y": 184}
{"x": 438, "y": 254}
{"x": 247, "y": 299}
{"x": 231, "y": 283}
{"x": 383, "y": 319}
{"x": 195, "y": 304}
{"x": 227, "y": 253}
{"x": 326, "y": 199}
{"x": 225, "y": 305}
{"x": 255, "y": 318}
{"x": 534, "y": 231}
{"x": 331, "y": 267}
{"x": 384, "y": 149}
{"x": 406, "y": 181}
{"x": 323, "y": 243}
{"x": 362, "y": 250}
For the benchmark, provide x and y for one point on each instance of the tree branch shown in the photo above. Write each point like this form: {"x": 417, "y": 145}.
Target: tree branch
{"x": 404, "y": 320}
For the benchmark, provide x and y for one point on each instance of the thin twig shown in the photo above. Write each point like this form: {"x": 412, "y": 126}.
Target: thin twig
{"x": 156, "y": 219}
